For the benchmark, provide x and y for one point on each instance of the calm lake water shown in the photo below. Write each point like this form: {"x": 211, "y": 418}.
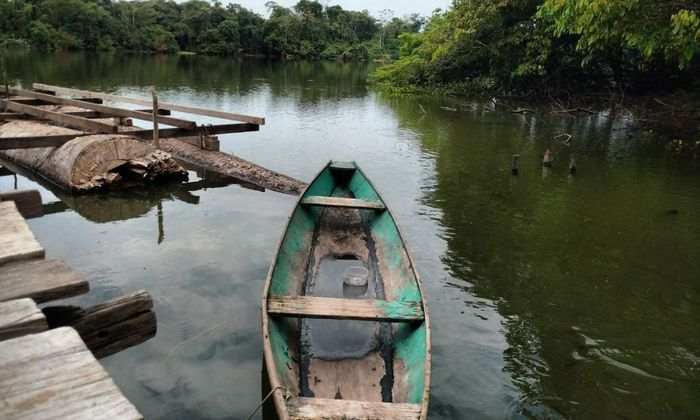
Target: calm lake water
{"x": 550, "y": 295}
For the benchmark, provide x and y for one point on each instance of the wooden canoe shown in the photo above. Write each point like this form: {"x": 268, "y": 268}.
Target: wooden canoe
{"x": 336, "y": 351}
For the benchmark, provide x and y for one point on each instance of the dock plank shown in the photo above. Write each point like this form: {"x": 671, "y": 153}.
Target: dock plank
{"x": 20, "y": 317}
{"x": 317, "y": 408}
{"x": 336, "y": 308}
{"x": 41, "y": 280}
{"x": 52, "y": 375}
{"x": 17, "y": 242}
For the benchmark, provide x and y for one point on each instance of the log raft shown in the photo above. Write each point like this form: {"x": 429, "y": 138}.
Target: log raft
{"x": 48, "y": 356}
{"x": 85, "y": 122}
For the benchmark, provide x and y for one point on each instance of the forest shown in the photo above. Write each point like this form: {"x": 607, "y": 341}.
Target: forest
{"x": 308, "y": 30}
{"x": 523, "y": 46}
{"x": 552, "y": 47}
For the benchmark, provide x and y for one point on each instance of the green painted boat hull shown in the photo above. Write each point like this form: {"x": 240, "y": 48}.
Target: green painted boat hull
{"x": 400, "y": 358}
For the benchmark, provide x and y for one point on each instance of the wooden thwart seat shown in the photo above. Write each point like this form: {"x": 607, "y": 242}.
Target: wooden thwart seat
{"x": 353, "y": 203}
{"x": 314, "y": 408}
{"x": 336, "y": 308}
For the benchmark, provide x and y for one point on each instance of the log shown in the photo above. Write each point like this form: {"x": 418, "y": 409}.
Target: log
{"x": 109, "y": 327}
{"x": 89, "y": 162}
{"x": 232, "y": 166}
{"x": 28, "y": 202}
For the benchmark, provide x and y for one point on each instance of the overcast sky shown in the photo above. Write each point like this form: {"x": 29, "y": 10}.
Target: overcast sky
{"x": 399, "y": 7}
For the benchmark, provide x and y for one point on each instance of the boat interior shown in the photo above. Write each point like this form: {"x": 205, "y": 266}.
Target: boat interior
{"x": 338, "y": 337}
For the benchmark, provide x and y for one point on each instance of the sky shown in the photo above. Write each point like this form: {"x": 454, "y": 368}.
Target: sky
{"x": 399, "y": 7}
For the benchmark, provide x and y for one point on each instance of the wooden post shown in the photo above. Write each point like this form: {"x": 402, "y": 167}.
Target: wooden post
{"x": 154, "y": 93}
{"x": 109, "y": 327}
{"x": 572, "y": 166}
{"x": 547, "y": 159}
{"x": 514, "y": 165}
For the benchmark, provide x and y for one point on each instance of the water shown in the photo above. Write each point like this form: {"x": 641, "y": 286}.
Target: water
{"x": 334, "y": 339}
{"x": 550, "y": 295}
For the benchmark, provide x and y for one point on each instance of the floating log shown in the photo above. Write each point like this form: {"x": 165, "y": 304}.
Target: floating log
{"x": 523, "y": 111}
{"x": 514, "y": 165}
{"x": 109, "y": 327}
{"x": 234, "y": 166}
{"x": 28, "y": 202}
{"x": 548, "y": 159}
{"x": 90, "y": 162}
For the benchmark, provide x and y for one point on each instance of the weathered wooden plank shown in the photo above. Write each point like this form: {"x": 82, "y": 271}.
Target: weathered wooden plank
{"x": 352, "y": 203}
{"x": 17, "y": 242}
{"x": 325, "y": 408}
{"x": 335, "y": 308}
{"x": 28, "y": 202}
{"x": 119, "y": 112}
{"x": 172, "y": 107}
{"x": 20, "y": 317}
{"x": 111, "y": 326}
{"x": 203, "y": 142}
{"x": 52, "y": 375}
{"x": 57, "y": 117}
{"x": 39, "y": 102}
{"x": 30, "y": 142}
{"x": 41, "y": 280}
{"x": 342, "y": 166}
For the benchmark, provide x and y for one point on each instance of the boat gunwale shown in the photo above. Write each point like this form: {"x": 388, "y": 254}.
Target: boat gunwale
{"x": 278, "y": 396}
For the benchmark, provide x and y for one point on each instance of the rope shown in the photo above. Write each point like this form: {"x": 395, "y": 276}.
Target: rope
{"x": 263, "y": 401}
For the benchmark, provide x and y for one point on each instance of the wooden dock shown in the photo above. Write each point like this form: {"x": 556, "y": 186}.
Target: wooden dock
{"x": 48, "y": 356}
{"x": 31, "y": 116}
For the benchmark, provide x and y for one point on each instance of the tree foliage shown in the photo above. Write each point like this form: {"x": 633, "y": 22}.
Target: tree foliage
{"x": 530, "y": 45}
{"x": 307, "y": 30}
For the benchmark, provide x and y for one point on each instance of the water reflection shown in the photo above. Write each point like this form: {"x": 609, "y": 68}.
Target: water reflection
{"x": 572, "y": 296}
{"x": 561, "y": 254}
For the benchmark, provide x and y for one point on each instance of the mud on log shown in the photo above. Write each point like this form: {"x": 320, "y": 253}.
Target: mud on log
{"x": 91, "y": 162}
{"x": 109, "y": 327}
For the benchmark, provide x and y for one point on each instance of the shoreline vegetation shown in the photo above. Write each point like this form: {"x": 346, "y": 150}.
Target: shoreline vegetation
{"x": 638, "y": 55}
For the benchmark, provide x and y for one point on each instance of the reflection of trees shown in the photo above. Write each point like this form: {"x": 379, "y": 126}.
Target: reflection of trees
{"x": 566, "y": 259}
{"x": 308, "y": 82}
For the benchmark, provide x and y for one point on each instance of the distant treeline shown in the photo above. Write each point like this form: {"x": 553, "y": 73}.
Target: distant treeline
{"x": 557, "y": 47}
{"x": 307, "y": 30}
